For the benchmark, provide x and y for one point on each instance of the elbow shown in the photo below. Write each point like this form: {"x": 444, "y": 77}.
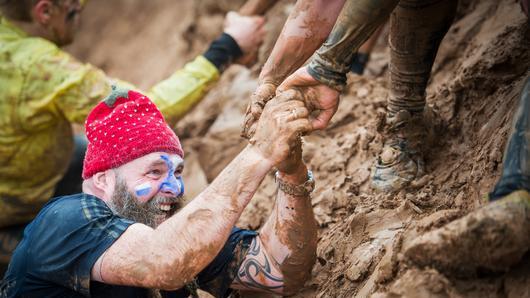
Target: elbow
{"x": 293, "y": 286}
{"x": 171, "y": 278}
{"x": 297, "y": 272}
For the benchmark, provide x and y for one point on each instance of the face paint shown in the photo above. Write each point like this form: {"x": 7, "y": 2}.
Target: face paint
{"x": 143, "y": 189}
{"x": 172, "y": 183}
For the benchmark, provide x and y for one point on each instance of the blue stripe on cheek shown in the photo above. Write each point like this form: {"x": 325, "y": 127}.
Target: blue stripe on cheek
{"x": 143, "y": 189}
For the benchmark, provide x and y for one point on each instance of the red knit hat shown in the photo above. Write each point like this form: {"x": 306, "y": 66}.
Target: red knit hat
{"x": 124, "y": 126}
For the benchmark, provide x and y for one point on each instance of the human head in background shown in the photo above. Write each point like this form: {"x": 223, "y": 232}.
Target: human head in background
{"x": 134, "y": 161}
{"x": 55, "y": 20}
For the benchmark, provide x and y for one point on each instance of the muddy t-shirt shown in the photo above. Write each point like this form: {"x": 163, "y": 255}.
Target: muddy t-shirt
{"x": 60, "y": 246}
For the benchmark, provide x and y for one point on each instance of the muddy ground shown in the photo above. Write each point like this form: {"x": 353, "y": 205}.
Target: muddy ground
{"x": 475, "y": 84}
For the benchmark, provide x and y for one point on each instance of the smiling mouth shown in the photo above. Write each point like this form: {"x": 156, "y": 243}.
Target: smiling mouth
{"x": 165, "y": 207}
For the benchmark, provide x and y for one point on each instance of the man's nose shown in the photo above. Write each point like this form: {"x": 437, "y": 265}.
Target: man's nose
{"x": 173, "y": 185}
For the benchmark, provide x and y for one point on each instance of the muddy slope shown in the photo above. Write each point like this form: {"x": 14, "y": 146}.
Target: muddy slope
{"x": 475, "y": 84}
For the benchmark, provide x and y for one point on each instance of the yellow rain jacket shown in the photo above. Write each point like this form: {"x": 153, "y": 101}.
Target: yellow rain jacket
{"x": 42, "y": 91}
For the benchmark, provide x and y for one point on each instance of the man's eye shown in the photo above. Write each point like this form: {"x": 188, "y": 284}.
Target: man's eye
{"x": 155, "y": 172}
{"x": 178, "y": 171}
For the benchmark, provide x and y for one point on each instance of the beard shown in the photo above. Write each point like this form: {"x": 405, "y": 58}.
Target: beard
{"x": 126, "y": 205}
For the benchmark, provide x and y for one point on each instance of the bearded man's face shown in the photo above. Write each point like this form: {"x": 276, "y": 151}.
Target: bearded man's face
{"x": 127, "y": 205}
{"x": 149, "y": 190}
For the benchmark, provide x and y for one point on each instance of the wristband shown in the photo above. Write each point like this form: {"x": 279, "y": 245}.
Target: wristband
{"x": 297, "y": 190}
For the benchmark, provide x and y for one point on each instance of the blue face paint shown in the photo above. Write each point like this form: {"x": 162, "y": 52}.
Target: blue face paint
{"x": 172, "y": 183}
{"x": 143, "y": 189}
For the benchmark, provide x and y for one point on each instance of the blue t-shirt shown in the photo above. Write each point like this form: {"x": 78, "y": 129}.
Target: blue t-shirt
{"x": 60, "y": 246}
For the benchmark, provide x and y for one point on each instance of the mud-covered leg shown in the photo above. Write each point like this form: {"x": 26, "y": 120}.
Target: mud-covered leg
{"x": 416, "y": 30}
{"x": 497, "y": 235}
{"x": 516, "y": 165}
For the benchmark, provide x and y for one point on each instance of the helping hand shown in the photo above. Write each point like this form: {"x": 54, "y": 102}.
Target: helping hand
{"x": 248, "y": 32}
{"x": 258, "y": 100}
{"x": 293, "y": 162}
{"x": 280, "y": 126}
{"x": 317, "y": 96}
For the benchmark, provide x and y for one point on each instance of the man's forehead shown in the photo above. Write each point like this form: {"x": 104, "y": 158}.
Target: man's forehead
{"x": 157, "y": 157}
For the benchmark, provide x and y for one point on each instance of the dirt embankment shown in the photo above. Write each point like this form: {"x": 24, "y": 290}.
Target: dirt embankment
{"x": 473, "y": 91}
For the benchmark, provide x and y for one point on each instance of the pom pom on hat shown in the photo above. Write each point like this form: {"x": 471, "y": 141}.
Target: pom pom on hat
{"x": 124, "y": 126}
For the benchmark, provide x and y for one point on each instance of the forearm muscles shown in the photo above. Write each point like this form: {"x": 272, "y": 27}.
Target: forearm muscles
{"x": 306, "y": 28}
{"x": 172, "y": 254}
{"x": 287, "y": 243}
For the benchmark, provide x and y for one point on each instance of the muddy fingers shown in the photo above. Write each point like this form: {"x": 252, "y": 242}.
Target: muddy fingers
{"x": 263, "y": 94}
{"x": 283, "y": 121}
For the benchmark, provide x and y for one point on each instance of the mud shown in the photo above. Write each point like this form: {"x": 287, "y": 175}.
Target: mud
{"x": 474, "y": 87}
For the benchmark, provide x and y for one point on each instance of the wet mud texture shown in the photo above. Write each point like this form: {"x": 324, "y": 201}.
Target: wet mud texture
{"x": 473, "y": 91}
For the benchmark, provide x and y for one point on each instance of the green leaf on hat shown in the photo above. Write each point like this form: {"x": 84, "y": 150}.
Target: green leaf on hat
{"x": 116, "y": 92}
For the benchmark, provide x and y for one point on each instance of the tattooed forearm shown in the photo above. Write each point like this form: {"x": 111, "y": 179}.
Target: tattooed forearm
{"x": 256, "y": 272}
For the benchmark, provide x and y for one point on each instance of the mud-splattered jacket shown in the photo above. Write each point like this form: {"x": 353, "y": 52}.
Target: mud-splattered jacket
{"x": 42, "y": 91}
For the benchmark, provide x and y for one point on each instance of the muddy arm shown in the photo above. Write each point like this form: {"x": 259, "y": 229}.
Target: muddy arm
{"x": 161, "y": 258}
{"x": 280, "y": 259}
{"x": 178, "y": 249}
{"x": 304, "y": 31}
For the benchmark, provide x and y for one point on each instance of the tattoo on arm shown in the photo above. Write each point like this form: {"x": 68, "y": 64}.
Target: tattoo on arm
{"x": 256, "y": 272}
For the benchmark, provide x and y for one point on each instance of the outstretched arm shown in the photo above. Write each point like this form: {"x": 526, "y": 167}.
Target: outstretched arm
{"x": 160, "y": 258}
{"x": 280, "y": 259}
{"x": 325, "y": 76}
{"x": 83, "y": 86}
{"x": 306, "y": 28}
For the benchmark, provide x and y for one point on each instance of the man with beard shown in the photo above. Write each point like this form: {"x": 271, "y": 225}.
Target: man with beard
{"x": 44, "y": 90}
{"x": 126, "y": 235}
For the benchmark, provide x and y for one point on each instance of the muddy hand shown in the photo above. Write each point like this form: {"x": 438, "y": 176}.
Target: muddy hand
{"x": 248, "y": 32}
{"x": 317, "y": 96}
{"x": 258, "y": 100}
{"x": 294, "y": 161}
{"x": 283, "y": 121}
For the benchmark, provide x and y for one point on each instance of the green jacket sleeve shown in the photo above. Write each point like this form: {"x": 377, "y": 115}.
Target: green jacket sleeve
{"x": 86, "y": 85}
{"x": 179, "y": 93}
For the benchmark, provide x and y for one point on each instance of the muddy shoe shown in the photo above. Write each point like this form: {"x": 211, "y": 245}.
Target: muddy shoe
{"x": 401, "y": 161}
{"x": 396, "y": 167}
{"x": 492, "y": 238}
